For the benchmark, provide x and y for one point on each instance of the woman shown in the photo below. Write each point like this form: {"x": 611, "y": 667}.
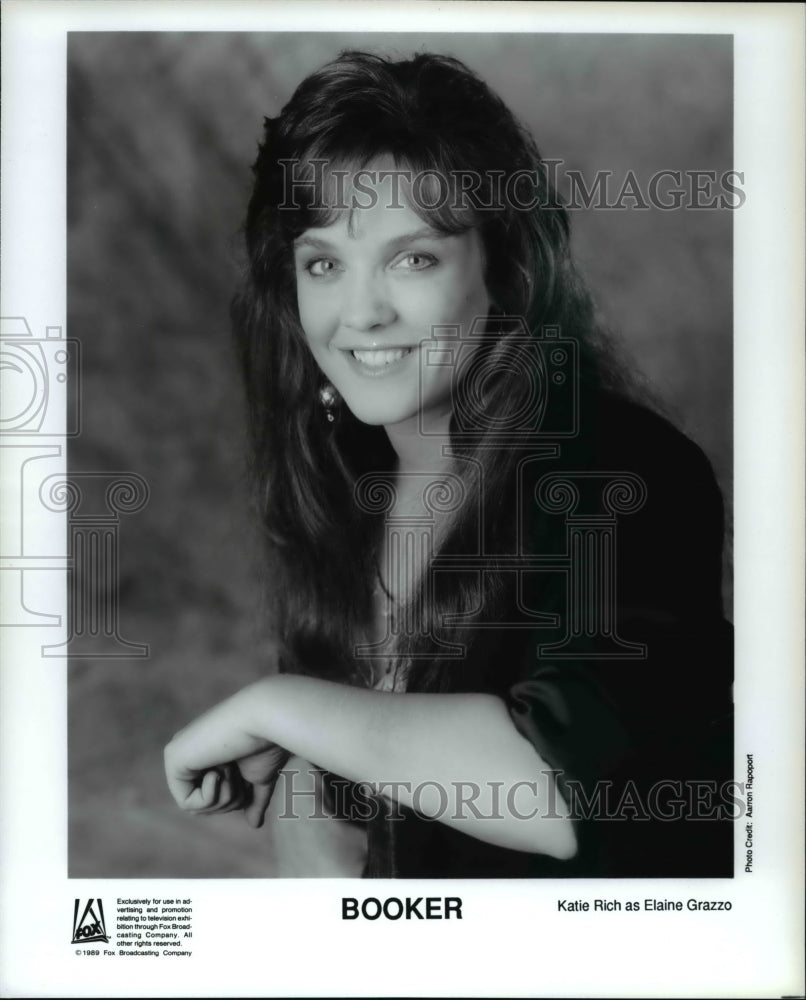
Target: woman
{"x": 496, "y": 576}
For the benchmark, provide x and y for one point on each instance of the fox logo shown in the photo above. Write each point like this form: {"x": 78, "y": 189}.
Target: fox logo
{"x": 91, "y": 926}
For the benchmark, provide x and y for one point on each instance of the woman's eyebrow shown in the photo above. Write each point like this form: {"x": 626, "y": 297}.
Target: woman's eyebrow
{"x": 426, "y": 233}
{"x": 312, "y": 241}
{"x": 396, "y": 242}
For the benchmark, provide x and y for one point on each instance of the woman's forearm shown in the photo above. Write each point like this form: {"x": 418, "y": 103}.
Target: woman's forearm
{"x": 454, "y": 757}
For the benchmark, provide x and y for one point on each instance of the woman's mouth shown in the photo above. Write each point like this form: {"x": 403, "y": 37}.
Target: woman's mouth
{"x": 379, "y": 362}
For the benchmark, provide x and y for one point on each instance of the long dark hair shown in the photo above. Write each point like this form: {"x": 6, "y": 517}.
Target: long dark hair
{"x": 429, "y": 113}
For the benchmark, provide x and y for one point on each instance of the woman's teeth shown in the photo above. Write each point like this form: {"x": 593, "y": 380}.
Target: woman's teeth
{"x": 377, "y": 359}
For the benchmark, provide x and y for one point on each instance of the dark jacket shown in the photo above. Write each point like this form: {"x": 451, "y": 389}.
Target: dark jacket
{"x": 627, "y": 695}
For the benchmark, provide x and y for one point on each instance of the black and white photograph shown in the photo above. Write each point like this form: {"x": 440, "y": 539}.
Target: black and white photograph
{"x": 454, "y": 525}
{"x": 385, "y": 456}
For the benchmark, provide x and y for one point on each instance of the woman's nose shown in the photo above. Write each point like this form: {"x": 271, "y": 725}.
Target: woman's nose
{"x": 366, "y": 304}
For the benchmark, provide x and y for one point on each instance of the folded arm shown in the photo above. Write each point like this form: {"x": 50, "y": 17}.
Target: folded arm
{"x": 454, "y": 757}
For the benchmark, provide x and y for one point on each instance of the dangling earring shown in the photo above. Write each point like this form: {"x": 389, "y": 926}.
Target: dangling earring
{"x": 329, "y": 399}
{"x": 493, "y": 315}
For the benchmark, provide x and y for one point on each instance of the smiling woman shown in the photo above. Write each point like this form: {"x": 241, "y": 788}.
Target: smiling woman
{"x": 496, "y": 573}
{"x": 371, "y": 288}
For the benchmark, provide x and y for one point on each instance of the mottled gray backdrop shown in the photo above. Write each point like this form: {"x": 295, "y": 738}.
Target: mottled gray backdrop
{"x": 162, "y": 130}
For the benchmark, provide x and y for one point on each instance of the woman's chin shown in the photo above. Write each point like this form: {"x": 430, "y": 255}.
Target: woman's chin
{"x": 382, "y": 414}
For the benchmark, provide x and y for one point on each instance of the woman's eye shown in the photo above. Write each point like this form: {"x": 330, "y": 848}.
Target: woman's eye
{"x": 415, "y": 261}
{"x": 322, "y": 267}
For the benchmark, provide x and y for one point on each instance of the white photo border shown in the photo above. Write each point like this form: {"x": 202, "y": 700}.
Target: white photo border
{"x": 282, "y": 937}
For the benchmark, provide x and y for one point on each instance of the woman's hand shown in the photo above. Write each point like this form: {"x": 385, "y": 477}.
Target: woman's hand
{"x": 216, "y": 764}
{"x": 412, "y": 740}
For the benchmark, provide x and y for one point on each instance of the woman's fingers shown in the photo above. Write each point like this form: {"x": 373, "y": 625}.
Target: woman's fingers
{"x": 226, "y": 795}
{"x": 194, "y": 795}
{"x": 187, "y": 784}
{"x": 210, "y": 785}
{"x": 206, "y": 797}
{"x": 263, "y": 767}
{"x": 207, "y": 793}
{"x": 207, "y": 744}
{"x": 260, "y": 770}
{"x": 256, "y": 810}
{"x": 246, "y": 784}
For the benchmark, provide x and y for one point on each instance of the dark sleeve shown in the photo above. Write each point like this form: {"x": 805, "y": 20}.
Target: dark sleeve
{"x": 642, "y": 745}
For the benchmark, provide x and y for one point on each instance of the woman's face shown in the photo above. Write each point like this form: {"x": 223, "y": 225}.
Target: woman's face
{"x": 371, "y": 288}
